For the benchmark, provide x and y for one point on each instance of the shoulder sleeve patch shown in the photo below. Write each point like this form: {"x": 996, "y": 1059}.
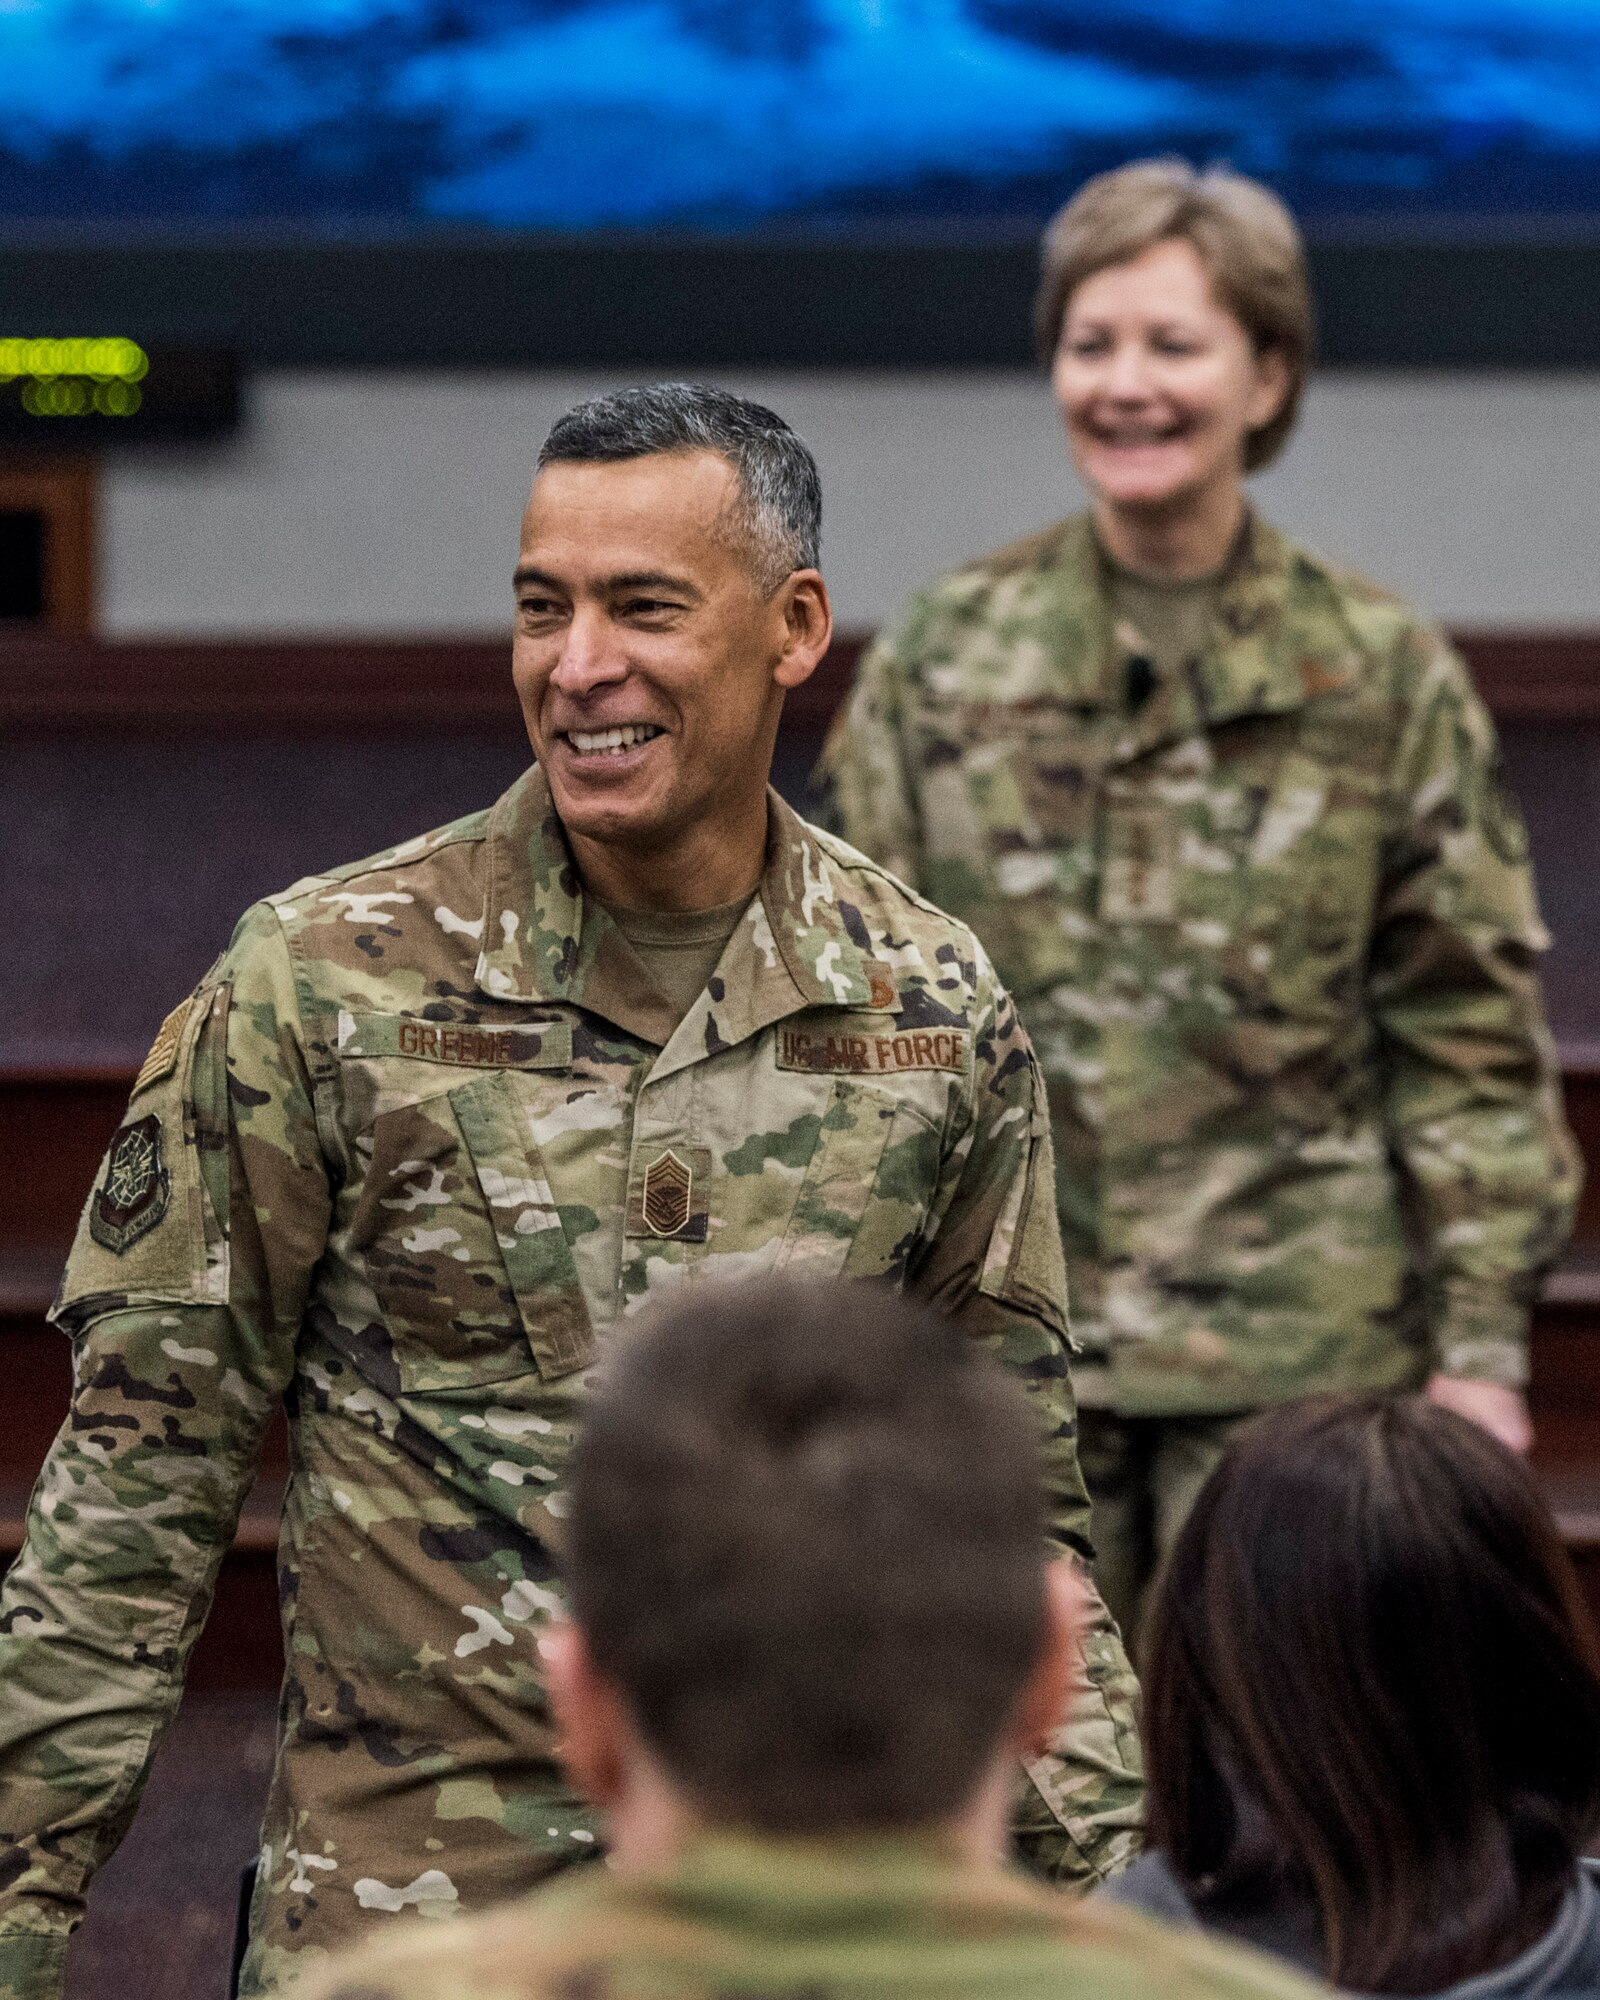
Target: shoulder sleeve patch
{"x": 135, "y": 1188}
{"x": 150, "y": 1229}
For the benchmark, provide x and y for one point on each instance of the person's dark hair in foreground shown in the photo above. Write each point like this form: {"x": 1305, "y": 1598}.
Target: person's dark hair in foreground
{"x": 1372, "y": 1702}
{"x": 813, "y": 1629}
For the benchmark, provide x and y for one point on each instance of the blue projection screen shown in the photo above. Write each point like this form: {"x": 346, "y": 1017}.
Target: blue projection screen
{"x": 906, "y": 119}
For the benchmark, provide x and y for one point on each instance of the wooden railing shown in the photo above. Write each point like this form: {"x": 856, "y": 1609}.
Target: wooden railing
{"x": 54, "y": 1123}
{"x": 59, "y": 1122}
{"x": 64, "y": 685}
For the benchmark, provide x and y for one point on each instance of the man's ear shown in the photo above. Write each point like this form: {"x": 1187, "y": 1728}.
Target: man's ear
{"x": 1048, "y": 1689}
{"x": 807, "y": 627}
{"x": 593, "y": 1745}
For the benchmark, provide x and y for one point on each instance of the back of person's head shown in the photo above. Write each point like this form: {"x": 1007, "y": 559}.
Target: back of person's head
{"x": 1372, "y": 1690}
{"x": 806, "y": 1547}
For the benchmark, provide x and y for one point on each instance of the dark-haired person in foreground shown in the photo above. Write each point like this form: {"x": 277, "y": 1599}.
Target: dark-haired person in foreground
{"x": 1372, "y": 1712}
{"x": 813, "y": 1629}
{"x": 432, "y": 1125}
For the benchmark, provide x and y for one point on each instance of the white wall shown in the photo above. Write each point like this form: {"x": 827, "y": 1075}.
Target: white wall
{"x": 388, "y": 504}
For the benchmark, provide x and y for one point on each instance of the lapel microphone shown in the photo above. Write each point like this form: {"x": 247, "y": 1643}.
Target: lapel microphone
{"x": 1139, "y": 682}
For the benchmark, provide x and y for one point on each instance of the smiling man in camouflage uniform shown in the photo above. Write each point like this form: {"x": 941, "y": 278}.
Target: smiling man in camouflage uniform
{"x": 435, "y": 1122}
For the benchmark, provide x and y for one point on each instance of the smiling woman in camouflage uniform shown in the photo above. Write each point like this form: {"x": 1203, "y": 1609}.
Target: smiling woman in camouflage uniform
{"x": 1229, "y": 822}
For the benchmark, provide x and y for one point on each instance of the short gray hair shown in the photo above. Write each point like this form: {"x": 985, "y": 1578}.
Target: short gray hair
{"x": 779, "y": 510}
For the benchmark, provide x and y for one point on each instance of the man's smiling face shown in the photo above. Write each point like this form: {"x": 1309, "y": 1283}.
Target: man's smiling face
{"x": 644, "y": 649}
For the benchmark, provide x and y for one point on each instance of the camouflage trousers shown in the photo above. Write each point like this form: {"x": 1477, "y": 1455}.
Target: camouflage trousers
{"x": 1143, "y": 1475}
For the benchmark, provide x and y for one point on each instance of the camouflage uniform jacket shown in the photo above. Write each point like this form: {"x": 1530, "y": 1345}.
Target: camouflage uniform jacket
{"x": 1272, "y": 929}
{"x": 856, "y": 1919}
{"x": 420, "y": 1137}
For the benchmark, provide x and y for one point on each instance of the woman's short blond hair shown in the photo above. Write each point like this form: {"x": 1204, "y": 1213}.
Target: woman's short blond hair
{"x": 1245, "y": 237}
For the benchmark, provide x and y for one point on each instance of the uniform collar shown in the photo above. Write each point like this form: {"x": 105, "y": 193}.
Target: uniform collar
{"x": 1272, "y": 653}
{"x": 803, "y": 1882}
{"x": 800, "y": 944}
{"x": 1280, "y": 650}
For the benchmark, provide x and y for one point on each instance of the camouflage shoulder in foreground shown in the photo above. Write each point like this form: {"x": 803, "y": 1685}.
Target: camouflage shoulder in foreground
{"x": 808, "y": 1921}
{"x": 425, "y": 1134}
{"x": 1270, "y": 923}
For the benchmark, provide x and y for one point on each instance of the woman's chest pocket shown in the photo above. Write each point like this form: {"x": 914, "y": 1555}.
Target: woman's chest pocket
{"x": 1278, "y": 866}
{"x": 1012, "y": 834}
{"x": 464, "y": 1244}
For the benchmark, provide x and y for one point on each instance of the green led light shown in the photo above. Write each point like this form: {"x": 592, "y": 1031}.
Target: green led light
{"x": 116, "y": 399}
{"x": 56, "y": 399}
{"x": 108, "y": 359}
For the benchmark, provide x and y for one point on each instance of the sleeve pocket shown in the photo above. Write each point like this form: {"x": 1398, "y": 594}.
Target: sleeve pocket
{"x": 150, "y": 1230}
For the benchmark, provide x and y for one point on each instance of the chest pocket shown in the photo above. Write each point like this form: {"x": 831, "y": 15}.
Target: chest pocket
{"x": 1011, "y": 834}
{"x": 866, "y": 1189}
{"x": 1308, "y": 883}
{"x": 464, "y": 1246}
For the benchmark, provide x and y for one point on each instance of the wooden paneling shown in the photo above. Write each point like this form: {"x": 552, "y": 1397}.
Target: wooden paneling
{"x": 36, "y": 1370}
{"x": 372, "y": 686}
{"x": 61, "y": 1121}
{"x": 64, "y": 492}
{"x": 1536, "y": 676}
{"x": 162, "y": 1912}
{"x": 54, "y": 683}
{"x": 288, "y": 689}
{"x": 1581, "y": 1074}
{"x": 242, "y": 1643}
{"x": 58, "y": 1121}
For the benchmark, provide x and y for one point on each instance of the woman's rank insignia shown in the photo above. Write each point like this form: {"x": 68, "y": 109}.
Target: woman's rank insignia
{"x": 133, "y": 1197}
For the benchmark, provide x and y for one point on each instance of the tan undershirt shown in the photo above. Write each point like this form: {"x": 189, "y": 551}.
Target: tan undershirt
{"x": 679, "y": 948}
{"x": 1172, "y": 618}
